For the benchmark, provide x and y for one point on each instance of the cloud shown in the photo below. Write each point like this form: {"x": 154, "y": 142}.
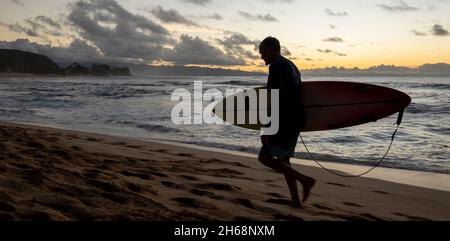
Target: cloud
{"x": 237, "y": 39}
{"x": 40, "y": 26}
{"x": 48, "y": 21}
{"x": 106, "y": 32}
{"x": 198, "y": 2}
{"x": 329, "y": 51}
{"x": 193, "y": 50}
{"x": 117, "y": 32}
{"x": 418, "y": 33}
{"x": 439, "y": 30}
{"x": 16, "y": 27}
{"x": 188, "y": 50}
{"x": 329, "y": 12}
{"x": 171, "y": 16}
{"x": 214, "y": 16}
{"x": 399, "y": 7}
{"x": 325, "y": 50}
{"x": 258, "y": 17}
{"x": 333, "y": 39}
{"x": 233, "y": 45}
{"x": 285, "y": 51}
{"x": 17, "y": 2}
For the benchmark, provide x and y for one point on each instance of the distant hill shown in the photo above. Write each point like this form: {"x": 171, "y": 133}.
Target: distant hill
{"x": 95, "y": 69}
{"x": 26, "y": 62}
{"x": 439, "y": 69}
{"x": 151, "y": 70}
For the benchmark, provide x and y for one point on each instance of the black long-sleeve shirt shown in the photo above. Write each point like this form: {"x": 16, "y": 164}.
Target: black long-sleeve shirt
{"x": 285, "y": 76}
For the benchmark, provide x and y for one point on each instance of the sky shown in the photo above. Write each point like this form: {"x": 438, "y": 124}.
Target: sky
{"x": 226, "y": 33}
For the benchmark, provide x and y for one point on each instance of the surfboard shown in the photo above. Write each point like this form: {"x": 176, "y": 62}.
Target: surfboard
{"x": 329, "y": 105}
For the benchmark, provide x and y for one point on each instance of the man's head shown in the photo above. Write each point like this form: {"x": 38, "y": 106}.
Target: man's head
{"x": 269, "y": 49}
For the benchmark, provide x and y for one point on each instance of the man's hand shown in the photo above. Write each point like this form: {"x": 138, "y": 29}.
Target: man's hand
{"x": 265, "y": 140}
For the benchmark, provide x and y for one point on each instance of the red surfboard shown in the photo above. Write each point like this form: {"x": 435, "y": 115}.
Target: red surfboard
{"x": 332, "y": 105}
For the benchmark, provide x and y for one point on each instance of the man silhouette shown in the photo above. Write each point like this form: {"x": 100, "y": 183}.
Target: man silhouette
{"x": 277, "y": 149}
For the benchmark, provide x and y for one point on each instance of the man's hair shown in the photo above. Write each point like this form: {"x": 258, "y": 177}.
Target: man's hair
{"x": 272, "y": 43}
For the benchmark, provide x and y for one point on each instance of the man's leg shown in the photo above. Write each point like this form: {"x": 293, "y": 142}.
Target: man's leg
{"x": 292, "y": 184}
{"x": 289, "y": 172}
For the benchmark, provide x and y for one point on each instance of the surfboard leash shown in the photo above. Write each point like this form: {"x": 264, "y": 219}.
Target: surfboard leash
{"x": 399, "y": 121}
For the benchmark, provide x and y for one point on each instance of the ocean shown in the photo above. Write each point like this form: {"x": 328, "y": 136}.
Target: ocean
{"x": 140, "y": 107}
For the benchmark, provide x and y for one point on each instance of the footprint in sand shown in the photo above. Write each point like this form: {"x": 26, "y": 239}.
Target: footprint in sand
{"x": 92, "y": 173}
{"x": 64, "y": 154}
{"x": 105, "y": 186}
{"x": 246, "y": 203}
{"x": 271, "y": 183}
{"x": 279, "y": 201}
{"x": 412, "y": 218}
{"x": 276, "y": 195}
{"x": 93, "y": 139}
{"x": 64, "y": 203}
{"x": 185, "y": 154}
{"x": 218, "y": 161}
{"x": 193, "y": 203}
{"x": 217, "y": 186}
{"x": 200, "y": 192}
{"x": 371, "y": 217}
{"x": 144, "y": 176}
{"x": 172, "y": 185}
{"x": 323, "y": 207}
{"x": 239, "y": 164}
{"x": 158, "y": 174}
{"x": 118, "y": 198}
{"x": 226, "y": 171}
{"x": 131, "y": 160}
{"x": 382, "y": 192}
{"x": 352, "y": 204}
{"x": 187, "y": 202}
{"x": 337, "y": 184}
{"x": 212, "y": 160}
{"x": 134, "y": 187}
{"x": 147, "y": 161}
{"x": 190, "y": 178}
{"x": 135, "y": 146}
{"x": 120, "y": 143}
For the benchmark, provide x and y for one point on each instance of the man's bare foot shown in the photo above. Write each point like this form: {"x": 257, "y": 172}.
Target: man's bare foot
{"x": 307, "y": 189}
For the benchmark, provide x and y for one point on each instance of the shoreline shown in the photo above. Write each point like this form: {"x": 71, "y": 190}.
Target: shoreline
{"x": 54, "y": 174}
{"x": 431, "y": 180}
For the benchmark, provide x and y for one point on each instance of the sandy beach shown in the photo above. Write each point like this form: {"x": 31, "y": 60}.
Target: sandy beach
{"x": 52, "y": 174}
